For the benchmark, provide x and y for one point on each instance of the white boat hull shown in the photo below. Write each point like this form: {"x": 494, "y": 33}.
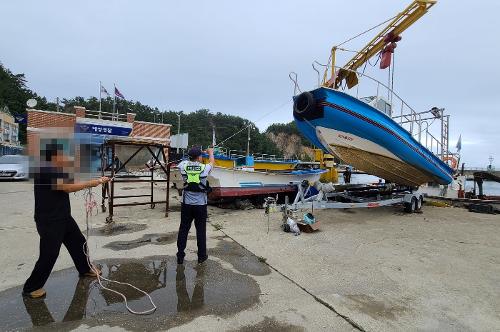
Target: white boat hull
{"x": 221, "y": 177}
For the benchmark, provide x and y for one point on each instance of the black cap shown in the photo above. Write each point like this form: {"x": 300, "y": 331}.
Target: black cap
{"x": 194, "y": 152}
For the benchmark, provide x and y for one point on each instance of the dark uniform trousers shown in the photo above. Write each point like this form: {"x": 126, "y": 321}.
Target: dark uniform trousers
{"x": 54, "y": 233}
{"x": 199, "y": 214}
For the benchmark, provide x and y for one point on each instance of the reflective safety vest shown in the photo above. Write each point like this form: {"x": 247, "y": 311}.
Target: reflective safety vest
{"x": 193, "y": 181}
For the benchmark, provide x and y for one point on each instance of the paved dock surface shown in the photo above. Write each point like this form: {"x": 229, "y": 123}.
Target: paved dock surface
{"x": 373, "y": 270}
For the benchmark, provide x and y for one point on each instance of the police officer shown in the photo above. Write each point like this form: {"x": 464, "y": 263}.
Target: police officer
{"x": 194, "y": 202}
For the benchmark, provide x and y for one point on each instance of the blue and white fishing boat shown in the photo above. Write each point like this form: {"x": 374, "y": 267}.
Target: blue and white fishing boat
{"x": 366, "y": 132}
{"x": 366, "y": 138}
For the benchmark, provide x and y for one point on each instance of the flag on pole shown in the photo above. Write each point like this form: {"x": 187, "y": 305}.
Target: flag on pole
{"x": 104, "y": 92}
{"x": 459, "y": 143}
{"x": 21, "y": 118}
{"x": 118, "y": 94}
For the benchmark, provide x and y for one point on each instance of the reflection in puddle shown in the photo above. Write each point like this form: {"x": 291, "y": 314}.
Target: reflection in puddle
{"x": 181, "y": 295}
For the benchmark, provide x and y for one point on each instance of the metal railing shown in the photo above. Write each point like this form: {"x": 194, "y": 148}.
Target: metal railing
{"x": 257, "y": 156}
{"x": 105, "y": 115}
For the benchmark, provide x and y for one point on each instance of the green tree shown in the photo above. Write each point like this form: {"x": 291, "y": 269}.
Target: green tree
{"x": 199, "y": 124}
{"x": 14, "y": 94}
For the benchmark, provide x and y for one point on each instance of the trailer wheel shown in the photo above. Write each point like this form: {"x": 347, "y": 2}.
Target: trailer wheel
{"x": 420, "y": 203}
{"x": 411, "y": 206}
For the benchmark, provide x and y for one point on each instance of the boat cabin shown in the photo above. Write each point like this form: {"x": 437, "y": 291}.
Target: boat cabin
{"x": 379, "y": 103}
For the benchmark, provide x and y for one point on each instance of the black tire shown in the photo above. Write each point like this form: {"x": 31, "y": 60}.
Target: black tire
{"x": 303, "y": 103}
{"x": 420, "y": 203}
{"x": 411, "y": 206}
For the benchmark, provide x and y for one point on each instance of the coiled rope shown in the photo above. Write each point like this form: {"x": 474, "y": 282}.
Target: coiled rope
{"x": 90, "y": 206}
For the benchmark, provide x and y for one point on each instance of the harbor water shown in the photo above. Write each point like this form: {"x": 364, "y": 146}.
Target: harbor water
{"x": 490, "y": 188}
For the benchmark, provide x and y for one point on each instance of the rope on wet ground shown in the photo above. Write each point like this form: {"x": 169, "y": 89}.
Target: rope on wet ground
{"x": 316, "y": 298}
{"x": 90, "y": 206}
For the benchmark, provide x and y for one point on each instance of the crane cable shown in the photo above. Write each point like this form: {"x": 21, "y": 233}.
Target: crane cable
{"x": 366, "y": 31}
{"x": 251, "y": 124}
{"x": 354, "y": 37}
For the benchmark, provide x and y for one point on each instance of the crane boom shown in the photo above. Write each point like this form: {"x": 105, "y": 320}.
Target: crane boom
{"x": 400, "y": 23}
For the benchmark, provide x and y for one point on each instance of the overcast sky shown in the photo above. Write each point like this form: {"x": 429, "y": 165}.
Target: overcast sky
{"x": 235, "y": 56}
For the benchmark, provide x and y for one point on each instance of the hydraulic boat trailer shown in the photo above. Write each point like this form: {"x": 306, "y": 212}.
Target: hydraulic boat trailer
{"x": 354, "y": 196}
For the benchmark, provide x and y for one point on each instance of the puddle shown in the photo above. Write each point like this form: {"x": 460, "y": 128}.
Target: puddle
{"x": 270, "y": 324}
{"x": 181, "y": 295}
{"x": 241, "y": 259}
{"x": 117, "y": 229}
{"x": 161, "y": 238}
{"x": 375, "y": 309}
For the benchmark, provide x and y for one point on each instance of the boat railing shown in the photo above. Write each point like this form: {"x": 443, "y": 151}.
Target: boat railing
{"x": 418, "y": 124}
{"x": 232, "y": 154}
{"x": 271, "y": 157}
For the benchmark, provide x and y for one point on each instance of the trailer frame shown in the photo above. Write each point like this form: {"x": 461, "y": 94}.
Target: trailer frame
{"x": 382, "y": 195}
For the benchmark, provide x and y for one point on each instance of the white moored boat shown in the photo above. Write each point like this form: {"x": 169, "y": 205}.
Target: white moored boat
{"x": 244, "y": 181}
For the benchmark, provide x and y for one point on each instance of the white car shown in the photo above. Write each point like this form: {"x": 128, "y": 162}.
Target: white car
{"x": 14, "y": 167}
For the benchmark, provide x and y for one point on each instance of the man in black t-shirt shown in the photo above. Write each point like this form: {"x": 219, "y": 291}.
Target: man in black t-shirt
{"x": 53, "y": 219}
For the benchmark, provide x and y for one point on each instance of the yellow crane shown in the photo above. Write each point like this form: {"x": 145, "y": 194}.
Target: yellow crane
{"x": 397, "y": 25}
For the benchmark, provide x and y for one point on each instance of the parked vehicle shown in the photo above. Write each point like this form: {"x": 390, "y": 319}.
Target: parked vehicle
{"x": 14, "y": 167}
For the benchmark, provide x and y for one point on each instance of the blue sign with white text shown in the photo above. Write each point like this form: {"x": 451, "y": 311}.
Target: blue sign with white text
{"x": 90, "y": 128}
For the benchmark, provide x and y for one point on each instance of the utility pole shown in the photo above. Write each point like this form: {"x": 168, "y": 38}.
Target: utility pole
{"x": 214, "y": 142}
{"x": 114, "y": 102}
{"x": 178, "y": 130}
{"x": 248, "y": 141}
{"x": 100, "y": 99}
{"x": 57, "y": 104}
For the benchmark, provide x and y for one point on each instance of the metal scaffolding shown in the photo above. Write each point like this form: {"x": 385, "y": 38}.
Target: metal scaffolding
{"x": 111, "y": 167}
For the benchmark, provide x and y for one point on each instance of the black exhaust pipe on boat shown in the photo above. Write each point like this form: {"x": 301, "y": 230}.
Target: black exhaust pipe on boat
{"x": 306, "y": 107}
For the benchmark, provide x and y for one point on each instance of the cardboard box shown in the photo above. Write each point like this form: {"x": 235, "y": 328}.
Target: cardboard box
{"x": 306, "y": 228}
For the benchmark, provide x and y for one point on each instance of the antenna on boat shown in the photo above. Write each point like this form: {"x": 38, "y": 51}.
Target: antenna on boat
{"x": 293, "y": 77}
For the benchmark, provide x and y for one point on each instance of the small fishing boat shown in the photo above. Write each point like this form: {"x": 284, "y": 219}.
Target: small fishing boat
{"x": 244, "y": 180}
{"x": 366, "y": 138}
{"x": 362, "y": 131}
{"x": 263, "y": 162}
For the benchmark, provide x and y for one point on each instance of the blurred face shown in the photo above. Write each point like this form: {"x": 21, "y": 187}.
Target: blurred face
{"x": 199, "y": 159}
{"x": 61, "y": 160}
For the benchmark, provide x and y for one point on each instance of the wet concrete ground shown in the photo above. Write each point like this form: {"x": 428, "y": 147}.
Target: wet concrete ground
{"x": 181, "y": 294}
{"x": 385, "y": 270}
{"x": 236, "y": 291}
{"x": 117, "y": 229}
{"x": 374, "y": 270}
{"x": 158, "y": 239}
